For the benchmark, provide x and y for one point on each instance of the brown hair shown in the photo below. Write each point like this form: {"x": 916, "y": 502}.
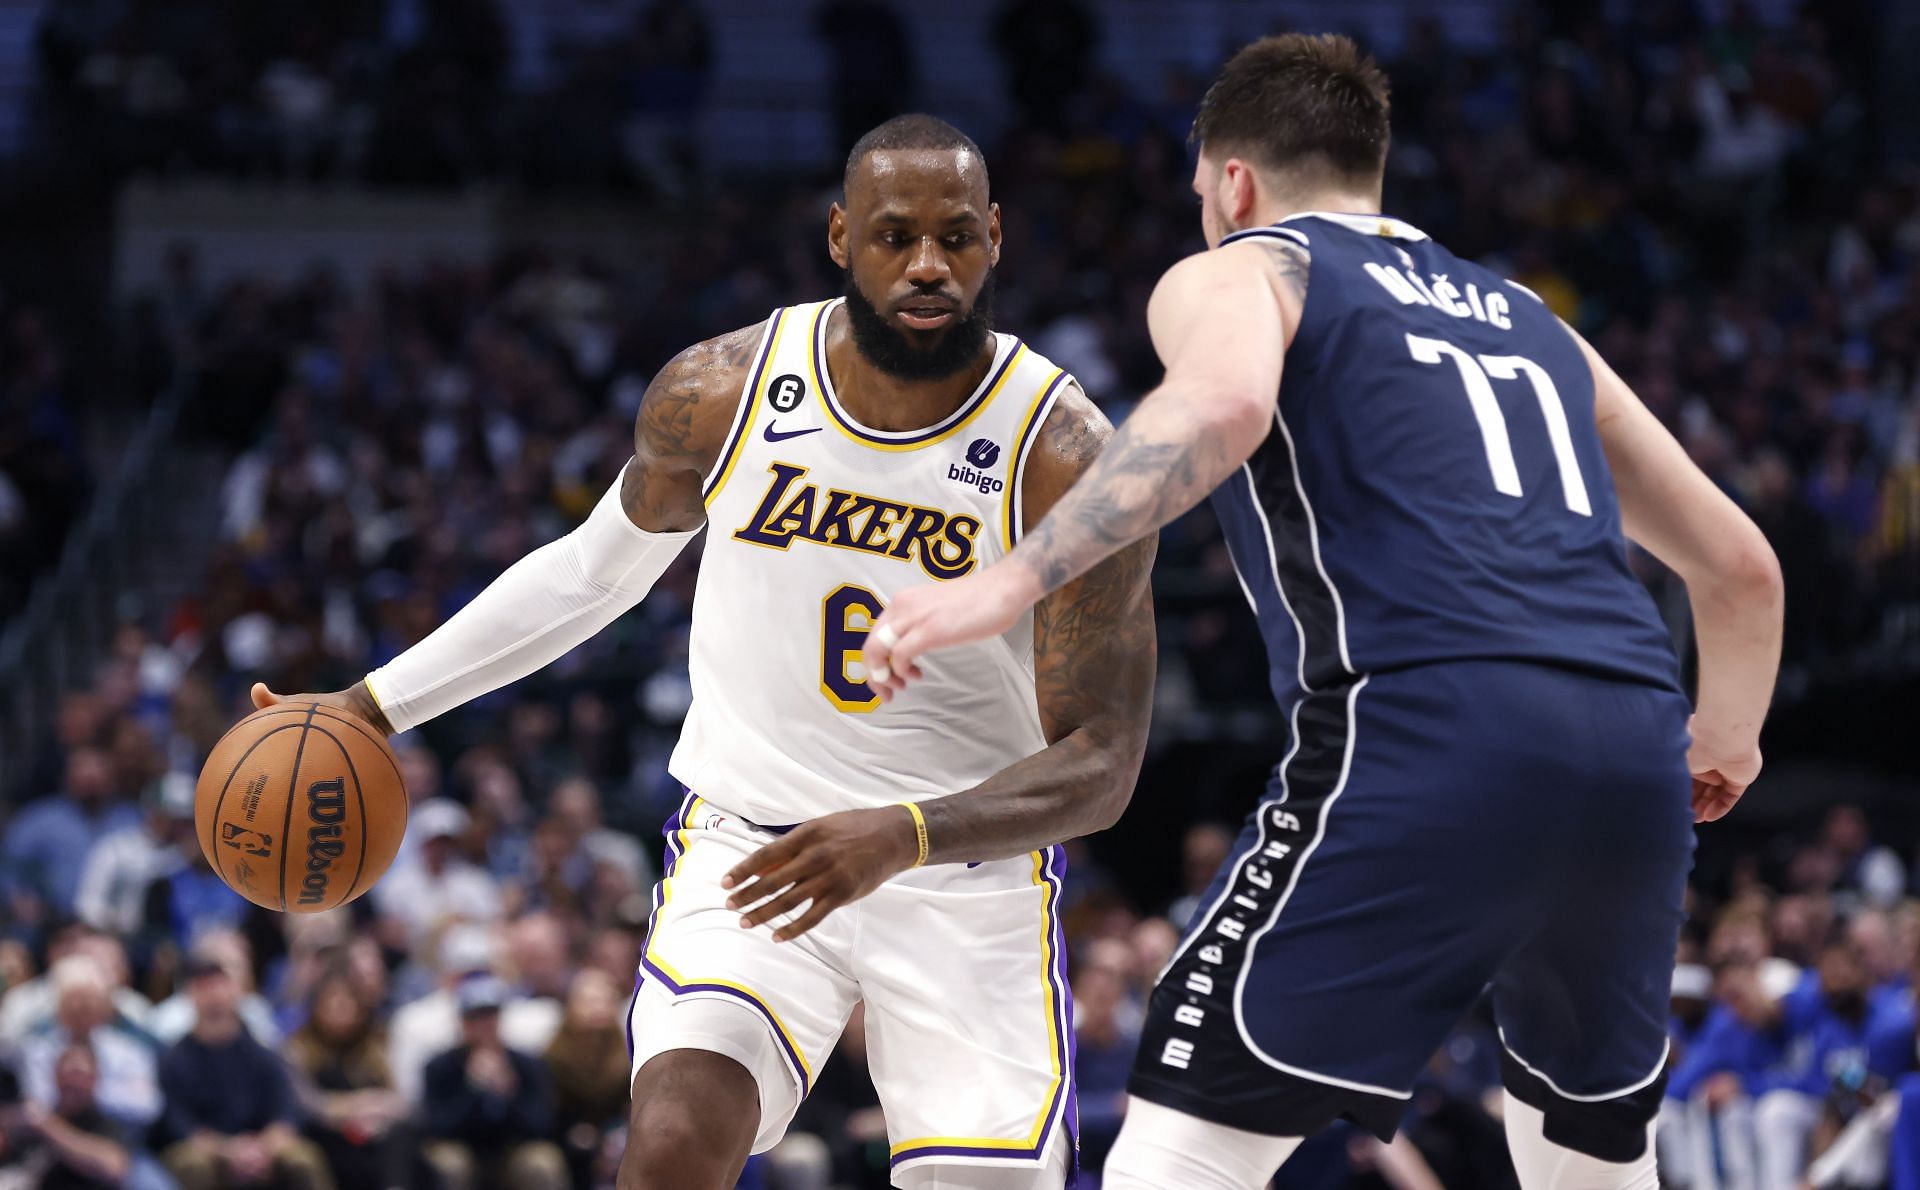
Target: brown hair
{"x": 1299, "y": 103}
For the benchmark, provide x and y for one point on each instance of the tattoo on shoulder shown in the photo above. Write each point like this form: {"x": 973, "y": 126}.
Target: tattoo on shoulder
{"x": 1075, "y": 431}
{"x": 1292, "y": 261}
{"x": 682, "y": 422}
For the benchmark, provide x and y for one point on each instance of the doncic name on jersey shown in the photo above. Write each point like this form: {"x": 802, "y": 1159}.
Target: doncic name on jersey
{"x": 941, "y": 542}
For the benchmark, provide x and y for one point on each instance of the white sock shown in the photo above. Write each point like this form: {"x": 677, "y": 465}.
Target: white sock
{"x": 1543, "y": 1165}
{"x": 1163, "y": 1149}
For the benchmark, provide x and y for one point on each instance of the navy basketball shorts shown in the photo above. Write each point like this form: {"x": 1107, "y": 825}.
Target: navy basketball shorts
{"x": 1433, "y": 832}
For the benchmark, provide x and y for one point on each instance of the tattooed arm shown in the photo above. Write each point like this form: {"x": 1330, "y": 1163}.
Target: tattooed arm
{"x": 569, "y": 589}
{"x": 1093, "y": 664}
{"x": 1220, "y": 322}
{"x": 683, "y": 422}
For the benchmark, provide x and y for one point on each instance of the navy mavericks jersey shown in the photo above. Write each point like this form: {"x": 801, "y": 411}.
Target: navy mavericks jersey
{"x": 1434, "y": 489}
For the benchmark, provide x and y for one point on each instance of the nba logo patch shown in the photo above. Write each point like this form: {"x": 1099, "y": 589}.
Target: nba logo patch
{"x": 983, "y": 453}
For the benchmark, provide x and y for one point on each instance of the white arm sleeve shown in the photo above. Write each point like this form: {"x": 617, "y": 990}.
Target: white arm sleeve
{"x": 545, "y": 604}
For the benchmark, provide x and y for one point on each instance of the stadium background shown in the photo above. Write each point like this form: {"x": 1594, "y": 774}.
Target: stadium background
{"x": 313, "y": 317}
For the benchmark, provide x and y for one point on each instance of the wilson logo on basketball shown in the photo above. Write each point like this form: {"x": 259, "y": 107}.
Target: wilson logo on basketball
{"x": 327, "y": 807}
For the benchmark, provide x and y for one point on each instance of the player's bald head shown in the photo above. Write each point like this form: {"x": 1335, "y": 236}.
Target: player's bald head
{"x": 917, "y": 143}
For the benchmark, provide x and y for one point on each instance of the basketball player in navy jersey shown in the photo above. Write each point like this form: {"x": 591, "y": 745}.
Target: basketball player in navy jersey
{"x": 1424, "y": 478}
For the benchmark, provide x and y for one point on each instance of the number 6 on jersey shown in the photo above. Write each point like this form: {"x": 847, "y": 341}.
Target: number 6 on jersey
{"x": 846, "y": 616}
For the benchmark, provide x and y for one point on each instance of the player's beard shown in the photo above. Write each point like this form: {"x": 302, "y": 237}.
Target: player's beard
{"x": 897, "y": 352}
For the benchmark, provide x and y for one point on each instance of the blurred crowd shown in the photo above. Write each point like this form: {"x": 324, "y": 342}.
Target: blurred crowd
{"x": 1705, "y": 200}
{"x": 44, "y": 476}
{"x": 388, "y": 92}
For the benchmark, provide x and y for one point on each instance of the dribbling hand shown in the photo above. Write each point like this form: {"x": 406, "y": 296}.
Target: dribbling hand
{"x": 355, "y": 700}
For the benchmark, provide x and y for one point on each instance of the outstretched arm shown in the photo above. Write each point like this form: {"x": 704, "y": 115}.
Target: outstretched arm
{"x": 567, "y": 590}
{"x": 1093, "y": 665}
{"x": 1733, "y": 582}
{"x": 1220, "y": 322}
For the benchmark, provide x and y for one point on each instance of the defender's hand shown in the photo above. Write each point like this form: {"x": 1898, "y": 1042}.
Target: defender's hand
{"x": 1722, "y": 771}
{"x": 355, "y": 700}
{"x": 923, "y": 619}
{"x": 831, "y": 861}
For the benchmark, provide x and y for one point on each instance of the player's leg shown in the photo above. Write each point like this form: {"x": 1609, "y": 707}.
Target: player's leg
{"x": 695, "y": 1114}
{"x": 1583, "y": 1004}
{"x": 969, "y": 1024}
{"x": 1163, "y": 1149}
{"x": 1361, "y": 912}
{"x": 727, "y": 1027}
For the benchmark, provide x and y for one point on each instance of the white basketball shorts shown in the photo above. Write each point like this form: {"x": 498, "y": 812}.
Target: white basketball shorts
{"x": 963, "y": 971}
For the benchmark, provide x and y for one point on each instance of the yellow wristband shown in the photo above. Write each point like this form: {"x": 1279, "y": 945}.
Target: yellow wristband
{"x": 919, "y": 832}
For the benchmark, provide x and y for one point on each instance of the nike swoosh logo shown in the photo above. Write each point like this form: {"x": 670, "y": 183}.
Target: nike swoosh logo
{"x": 773, "y": 435}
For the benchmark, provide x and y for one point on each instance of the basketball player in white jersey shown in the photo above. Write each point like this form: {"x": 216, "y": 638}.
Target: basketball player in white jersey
{"x": 905, "y": 855}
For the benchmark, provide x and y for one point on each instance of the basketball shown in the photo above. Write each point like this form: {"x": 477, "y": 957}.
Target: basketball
{"x": 300, "y": 807}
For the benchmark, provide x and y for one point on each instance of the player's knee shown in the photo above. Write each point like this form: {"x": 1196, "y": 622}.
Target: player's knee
{"x": 693, "y": 1120}
{"x": 1546, "y": 1158}
{"x": 665, "y": 1130}
{"x": 1163, "y": 1149}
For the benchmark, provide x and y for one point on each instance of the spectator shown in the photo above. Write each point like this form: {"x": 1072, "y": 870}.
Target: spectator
{"x": 1104, "y": 1057}
{"x": 30, "y": 1005}
{"x": 1875, "y": 873}
{"x": 430, "y": 1024}
{"x": 192, "y": 901}
{"x": 1201, "y": 854}
{"x": 84, "y": 1017}
{"x": 46, "y": 845}
{"x": 122, "y": 868}
{"x": 231, "y": 1118}
{"x": 173, "y": 1018}
{"x": 1824, "y": 1026}
{"x": 339, "y": 1059}
{"x": 589, "y": 1067}
{"x": 441, "y": 887}
{"x": 489, "y": 1110}
{"x": 70, "y": 1145}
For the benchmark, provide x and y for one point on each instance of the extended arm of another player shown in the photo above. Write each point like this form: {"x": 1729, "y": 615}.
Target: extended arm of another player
{"x": 569, "y": 589}
{"x": 1217, "y": 321}
{"x": 1093, "y": 664}
{"x": 1733, "y": 582}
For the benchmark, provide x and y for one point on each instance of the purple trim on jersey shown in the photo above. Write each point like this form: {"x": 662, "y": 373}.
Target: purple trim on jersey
{"x": 1020, "y": 453}
{"x": 745, "y": 413}
{"x": 671, "y": 830}
{"x": 1060, "y": 1008}
{"x": 832, "y": 403}
{"x": 633, "y": 1002}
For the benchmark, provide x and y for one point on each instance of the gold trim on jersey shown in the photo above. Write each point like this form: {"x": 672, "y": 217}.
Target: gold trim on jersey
{"x": 743, "y": 420}
{"x": 956, "y": 421}
{"x": 1013, "y": 516}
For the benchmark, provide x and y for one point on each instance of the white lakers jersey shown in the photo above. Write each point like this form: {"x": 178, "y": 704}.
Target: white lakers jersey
{"x": 813, "y": 523}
